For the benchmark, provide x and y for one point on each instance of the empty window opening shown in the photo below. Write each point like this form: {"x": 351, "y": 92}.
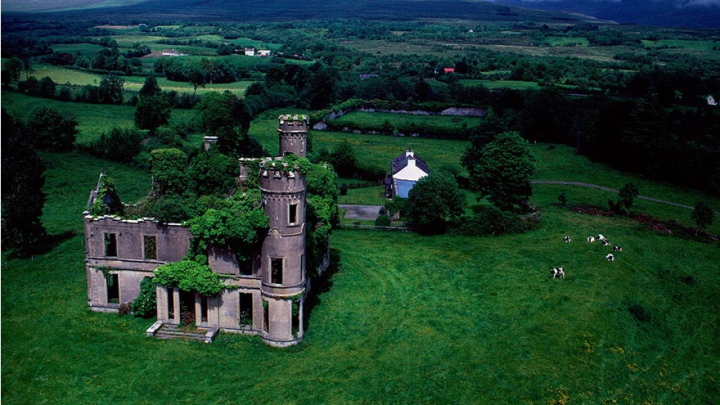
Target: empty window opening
{"x": 276, "y": 271}
{"x": 295, "y": 317}
{"x": 293, "y": 217}
{"x": 203, "y": 309}
{"x": 265, "y": 316}
{"x": 113, "y": 289}
{"x": 187, "y": 308}
{"x": 246, "y": 309}
{"x": 246, "y": 267}
{"x": 171, "y": 303}
{"x": 110, "y": 245}
{"x": 150, "y": 243}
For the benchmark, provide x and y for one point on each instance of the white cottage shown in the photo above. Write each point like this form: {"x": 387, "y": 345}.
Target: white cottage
{"x": 405, "y": 170}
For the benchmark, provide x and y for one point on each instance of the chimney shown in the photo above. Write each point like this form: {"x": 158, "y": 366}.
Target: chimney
{"x": 209, "y": 141}
{"x": 410, "y": 153}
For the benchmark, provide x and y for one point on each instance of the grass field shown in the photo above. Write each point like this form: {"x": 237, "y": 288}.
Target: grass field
{"x": 697, "y": 45}
{"x": 404, "y": 318}
{"x": 376, "y": 120}
{"x": 502, "y": 84}
{"x": 93, "y": 119}
{"x": 408, "y": 319}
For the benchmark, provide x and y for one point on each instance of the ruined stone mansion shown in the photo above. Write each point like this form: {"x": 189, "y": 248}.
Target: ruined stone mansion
{"x": 266, "y": 299}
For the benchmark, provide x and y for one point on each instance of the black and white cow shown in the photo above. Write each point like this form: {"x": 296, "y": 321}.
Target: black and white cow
{"x": 567, "y": 239}
{"x": 610, "y": 257}
{"x": 590, "y": 239}
{"x": 557, "y": 272}
{"x": 605, "y": 242}
{"x": 600, "y": 237}
{"x": 617, "y": 248}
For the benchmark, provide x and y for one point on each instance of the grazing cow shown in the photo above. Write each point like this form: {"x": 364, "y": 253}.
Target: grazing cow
{"x": 617, "y": 248}
{"x": 591, "y": 239}
{"x": 557, "y": 272}
{"x": 566, "y": 239}
{"x": 605, "y": 242}
{"x": 600, "y": 237}
{"x": 610, "y": 257}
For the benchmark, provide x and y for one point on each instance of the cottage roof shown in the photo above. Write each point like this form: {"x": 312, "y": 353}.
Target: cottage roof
{"x": 401, "y": 162}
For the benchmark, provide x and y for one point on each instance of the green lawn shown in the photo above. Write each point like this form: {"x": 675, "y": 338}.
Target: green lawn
{"x": 377, "y": 119}
{"x": 93, "y": 119}
{"x": 61, "y": 75}
{"x": 502, "y": 84}
{"x": 699, "y": 45}
{"x": 406, "y": 318}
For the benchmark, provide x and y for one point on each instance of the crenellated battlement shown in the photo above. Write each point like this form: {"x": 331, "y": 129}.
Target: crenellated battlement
{"x": 293, "y": 131}
{"x": 277, "y": 176}
{"x": 293, "y": 123}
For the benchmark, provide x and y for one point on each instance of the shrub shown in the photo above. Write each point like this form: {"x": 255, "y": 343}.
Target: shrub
{"x": 119, "y": 145}
{"x": 171, "y": 208}
{"x": 189, "y": 276}
{"x": 491, "y": 221}
{"x": 383, "y": 220}
{"x": 145, "y": 304}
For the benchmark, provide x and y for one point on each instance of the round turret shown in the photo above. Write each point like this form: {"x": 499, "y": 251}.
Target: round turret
{"x": 293, "y": 134}
{"x": 283, "y": 251}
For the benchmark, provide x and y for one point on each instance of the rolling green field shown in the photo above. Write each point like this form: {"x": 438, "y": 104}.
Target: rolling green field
{"x": 502, "y": 84}
{"x": 376, "y": 120}
{"x": 400, "y": 318}
{"x": 93, "y": 119}
{"x": 407, "y": 319}
{"x": 697, "y": 45}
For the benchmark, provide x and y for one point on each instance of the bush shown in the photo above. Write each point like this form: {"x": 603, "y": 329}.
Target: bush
{"x": 145, "y": 304}
{"x": 172, "y": 208}
{"x": 119, "y": 145}
{"x": 491, "y": 221}
{"x": 383, "y": 220}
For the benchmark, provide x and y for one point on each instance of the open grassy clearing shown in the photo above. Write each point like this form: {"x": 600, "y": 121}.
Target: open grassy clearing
{"x": 87, "y": 50}
{"x": 683, "y": 44}
{"x": 408, "y": 319}
{"x": 501, "y": 84}
{"x": 377, "y": 119}
{"x": 413, "y": 47}
{"x": 93, "y": 119}
{"x": 567, "y": 41}
{"x": 363, "y": 196}
{"x": 62, "y": 75}
{"x": 135, "y": 83}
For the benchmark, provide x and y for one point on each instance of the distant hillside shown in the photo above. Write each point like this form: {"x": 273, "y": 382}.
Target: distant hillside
{"x": 285, "y": 10}
{"x": 663, "y": 13}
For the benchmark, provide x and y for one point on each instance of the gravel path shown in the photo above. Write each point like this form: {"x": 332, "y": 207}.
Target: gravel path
{"x": 368, "y": 212}
{"x": 371, "y": 212}
{"x": 575, "y": 183}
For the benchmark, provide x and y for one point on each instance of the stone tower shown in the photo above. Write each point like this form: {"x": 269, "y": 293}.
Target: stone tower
{"x": 283, "y": 190}
{"x": 293, "y": 134}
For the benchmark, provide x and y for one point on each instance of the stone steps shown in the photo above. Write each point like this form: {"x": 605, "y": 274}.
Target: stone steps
{"x": 167, "y": 331}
